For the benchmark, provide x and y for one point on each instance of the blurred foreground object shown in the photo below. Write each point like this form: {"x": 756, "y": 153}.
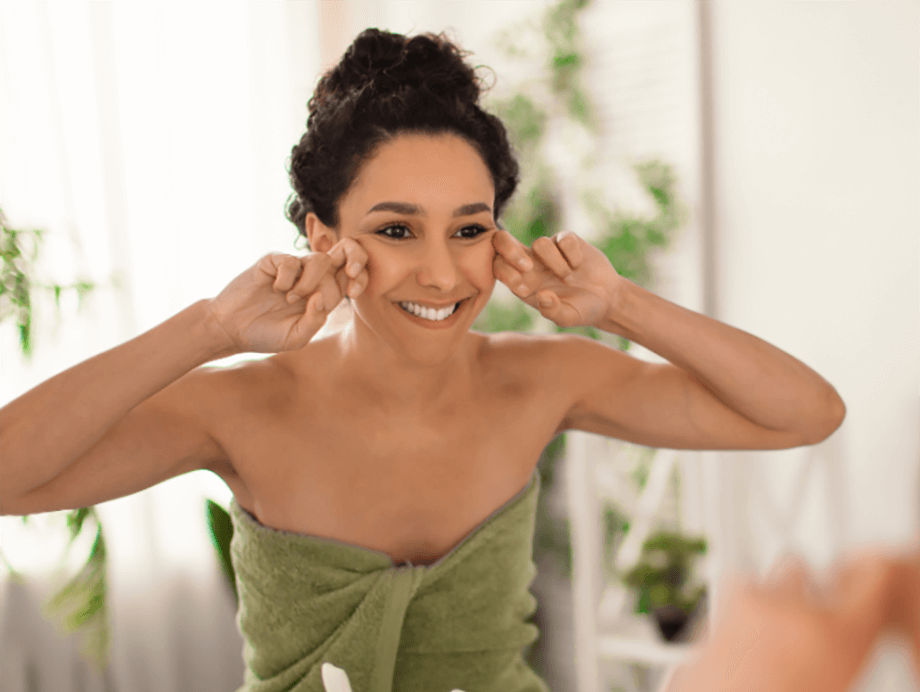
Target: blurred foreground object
{"x": 794, "y": 633}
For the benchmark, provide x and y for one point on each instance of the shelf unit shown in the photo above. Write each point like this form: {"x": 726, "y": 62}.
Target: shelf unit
{"x": 710, "y": 485}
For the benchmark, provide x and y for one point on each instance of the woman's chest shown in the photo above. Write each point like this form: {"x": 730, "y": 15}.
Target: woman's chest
{"x": 411, "y": 486}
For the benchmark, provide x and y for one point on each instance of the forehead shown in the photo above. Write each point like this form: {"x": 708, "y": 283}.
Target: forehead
{"x": 432, "y": 171}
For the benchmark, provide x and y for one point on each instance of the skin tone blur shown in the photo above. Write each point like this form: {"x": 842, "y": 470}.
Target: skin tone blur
{"x": 799, "y": 631}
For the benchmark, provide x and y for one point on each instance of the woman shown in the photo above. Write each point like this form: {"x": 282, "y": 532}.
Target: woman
{"x": 384, "y": 476}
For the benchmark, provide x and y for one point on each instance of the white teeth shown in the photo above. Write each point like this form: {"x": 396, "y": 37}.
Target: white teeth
{"x": 429, "y": 313}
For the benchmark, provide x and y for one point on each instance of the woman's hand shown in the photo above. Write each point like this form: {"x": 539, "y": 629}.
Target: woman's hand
{"x": 280, "y": 303}
{"x": 567, "y": 279}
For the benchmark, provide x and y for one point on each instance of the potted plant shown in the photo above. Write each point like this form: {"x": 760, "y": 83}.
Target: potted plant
{"x": 662, "y": 578}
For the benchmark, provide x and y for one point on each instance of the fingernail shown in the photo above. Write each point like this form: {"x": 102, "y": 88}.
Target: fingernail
{"x": 525, "y": 263}
{"x": 353, "y": 270}
{"x": 354, "y": 290}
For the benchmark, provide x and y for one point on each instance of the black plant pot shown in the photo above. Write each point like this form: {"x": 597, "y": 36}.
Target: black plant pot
{"x": 671, "y": 621}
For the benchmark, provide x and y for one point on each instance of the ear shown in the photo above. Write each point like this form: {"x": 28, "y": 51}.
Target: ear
{"x": 319, "y": 235}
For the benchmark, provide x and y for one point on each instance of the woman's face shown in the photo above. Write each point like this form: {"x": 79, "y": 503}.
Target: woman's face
{"x": 422, "y": 210}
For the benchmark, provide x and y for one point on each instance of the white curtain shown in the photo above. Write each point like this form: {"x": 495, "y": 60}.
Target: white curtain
{"x": 150, "y": 139}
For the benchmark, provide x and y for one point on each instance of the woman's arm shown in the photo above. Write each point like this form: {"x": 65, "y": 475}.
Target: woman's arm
{"x": 47, "y": 429}
{"x": 755, "y": 379}
{"x": 138, "y": 414}
{"x": 721, "y": 388}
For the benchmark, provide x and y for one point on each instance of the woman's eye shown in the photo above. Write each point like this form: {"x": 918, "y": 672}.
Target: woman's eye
{"x": 474, "y": 231}
{"x": 396, "y": 227}
{"x": 397, "y": 231}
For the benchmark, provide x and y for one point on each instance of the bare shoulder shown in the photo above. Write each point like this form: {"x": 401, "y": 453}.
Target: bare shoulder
{"x": 245, "y": 386}
{"x": 561, "y": 355}
{"x": 237, "y": 401}
{"x": 560, "y": 365}
{"x": 570, "y": 369}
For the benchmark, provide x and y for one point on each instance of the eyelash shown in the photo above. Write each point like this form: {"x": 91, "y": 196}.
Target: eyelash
{"x": 481, "y": 229}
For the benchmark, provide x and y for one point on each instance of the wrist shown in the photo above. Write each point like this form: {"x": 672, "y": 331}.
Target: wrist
{"x": 213, "y": 338}
{"x": 622, "y": 299}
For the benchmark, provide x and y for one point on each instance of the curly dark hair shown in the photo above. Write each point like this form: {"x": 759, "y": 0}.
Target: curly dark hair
{"x": 388, "y": 84}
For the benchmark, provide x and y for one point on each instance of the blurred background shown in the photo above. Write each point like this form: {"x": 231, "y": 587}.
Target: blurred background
{"x": 757, "y": 161}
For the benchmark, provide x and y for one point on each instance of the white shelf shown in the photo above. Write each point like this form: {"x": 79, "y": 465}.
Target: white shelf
{"x": 632, "y": 649}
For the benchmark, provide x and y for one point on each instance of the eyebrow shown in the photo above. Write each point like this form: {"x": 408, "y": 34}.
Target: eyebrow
{"x": 415, "y": 210}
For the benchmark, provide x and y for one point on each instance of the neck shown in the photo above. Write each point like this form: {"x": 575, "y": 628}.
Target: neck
{"x": 398, "y": 381}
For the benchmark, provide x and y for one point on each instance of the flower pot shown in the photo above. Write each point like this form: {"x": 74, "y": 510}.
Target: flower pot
{"x": 671, "y": 621}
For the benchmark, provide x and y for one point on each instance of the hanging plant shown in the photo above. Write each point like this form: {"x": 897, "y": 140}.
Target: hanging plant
{"x": 79, "y": 605}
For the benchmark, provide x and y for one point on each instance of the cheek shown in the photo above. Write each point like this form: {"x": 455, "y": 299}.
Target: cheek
{"x": 381, "y": 273}
{"x": 478, "y": 265}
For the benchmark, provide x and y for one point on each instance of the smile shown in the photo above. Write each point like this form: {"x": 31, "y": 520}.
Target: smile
{"x": 431, "y": 317}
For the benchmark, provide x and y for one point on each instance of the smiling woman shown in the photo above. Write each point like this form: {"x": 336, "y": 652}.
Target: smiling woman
{"x": 384, "y": 476}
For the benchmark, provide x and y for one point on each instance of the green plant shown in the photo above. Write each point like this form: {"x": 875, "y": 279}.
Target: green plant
{"x": 80, "y": 605}
{"x": 663, "y": 575}
{"x": 557, "y": 93}
{"x": 627, "y": 240}
{"x": 19, "y": 251}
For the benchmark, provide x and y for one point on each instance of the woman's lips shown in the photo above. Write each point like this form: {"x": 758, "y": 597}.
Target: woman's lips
{"x": 431, "y": 324}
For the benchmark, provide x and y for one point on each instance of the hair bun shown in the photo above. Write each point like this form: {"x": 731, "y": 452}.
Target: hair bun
{"x": 382, "y": 62}
{"x": 387, "y": 84}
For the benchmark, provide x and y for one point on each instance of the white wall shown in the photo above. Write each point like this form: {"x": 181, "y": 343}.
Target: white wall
{"x": 156, "y": 134}
{"x": 816, "y": 219}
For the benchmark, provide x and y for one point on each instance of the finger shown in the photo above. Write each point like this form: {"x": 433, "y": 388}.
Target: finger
{"x": 356, "y": 257}
{"x": 285, "y": 269}
{"x": 312, "y": 319}
{"x": 356, "y": 267}
{"x": 545, "y": 303}
{"x": 358, "y": 284}
{"x": 337, "y": 254}
{"x": 340, "y": 277}
{"x": 569, "y": 245}
{"x": 346, "y": 252}
{"x": 552, "y": 308}
{"x": 549, "y": 254}
{"x": 315, "y": 266}
{"x": 332, "y": 293}
{"x": 512, "y": 250}
{"x": 510, "y": 276}
{"x": 349, "y": 261}
{"x": 352, "y": 287}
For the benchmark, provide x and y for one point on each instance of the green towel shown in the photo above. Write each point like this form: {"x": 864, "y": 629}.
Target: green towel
{"x": 458, "y": 623}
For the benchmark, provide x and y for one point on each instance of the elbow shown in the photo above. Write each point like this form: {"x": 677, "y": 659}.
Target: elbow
{"x": 838, "y": 411}
{"x": 833, "y": 412}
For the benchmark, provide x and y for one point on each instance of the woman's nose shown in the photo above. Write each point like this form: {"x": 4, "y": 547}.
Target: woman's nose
{"x": 438, "y": 267}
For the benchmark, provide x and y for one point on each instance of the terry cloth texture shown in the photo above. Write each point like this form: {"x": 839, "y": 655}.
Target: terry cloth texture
{"x": 458, "y": 623}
